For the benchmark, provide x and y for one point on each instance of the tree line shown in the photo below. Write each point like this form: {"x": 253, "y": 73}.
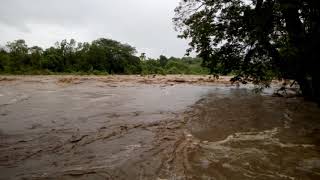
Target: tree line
{"x": 101, "y": 56}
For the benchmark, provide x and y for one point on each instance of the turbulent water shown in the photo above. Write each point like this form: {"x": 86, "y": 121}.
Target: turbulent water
{"x": 91, "y": 129}
{"x": 250, "y": 136}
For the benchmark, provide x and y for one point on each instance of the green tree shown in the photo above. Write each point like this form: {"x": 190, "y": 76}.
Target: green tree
{"x": 258, "y": 40}
{"x": 18, "y": 51}
{"x": 177, "y": 67}
{"x": 53, "y": 60}
{"x": 113, "y": 56}
{"x": 81, "y": 57}
{"x": 163, "y": 60}
{"x": 4, "y": 60}
{"x": 35, "y": 54}
{"x": 150, "y": 66}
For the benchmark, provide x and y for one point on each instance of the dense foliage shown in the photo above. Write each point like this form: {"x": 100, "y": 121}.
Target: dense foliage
{"x": 258, "y": 40}
{"x": 102, "y": 56}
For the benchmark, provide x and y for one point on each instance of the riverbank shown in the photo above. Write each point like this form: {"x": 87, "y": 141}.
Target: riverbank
{"x": 147, "y": 79}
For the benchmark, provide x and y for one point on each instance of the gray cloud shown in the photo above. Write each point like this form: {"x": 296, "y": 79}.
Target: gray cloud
{"x": 145, "y": 24}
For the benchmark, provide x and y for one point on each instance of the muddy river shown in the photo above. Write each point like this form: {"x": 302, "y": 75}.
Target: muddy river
{"x": 100, "y": 128}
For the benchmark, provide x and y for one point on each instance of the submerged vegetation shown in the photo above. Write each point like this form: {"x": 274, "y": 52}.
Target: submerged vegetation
{"x": 102, "y": 56}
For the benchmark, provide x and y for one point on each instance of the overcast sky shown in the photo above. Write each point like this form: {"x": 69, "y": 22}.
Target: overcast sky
{"x": 145, "y": 24}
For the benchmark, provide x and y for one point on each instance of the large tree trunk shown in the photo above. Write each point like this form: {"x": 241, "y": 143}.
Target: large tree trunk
{"x": 316, "y": 88}
{"x": 310, "y": 88}
{"x": 298, "y": 40}
{"x": 305, "y": 87}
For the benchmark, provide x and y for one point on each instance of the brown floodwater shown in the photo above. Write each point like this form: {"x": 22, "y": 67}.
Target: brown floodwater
{"x": 53, "y": 128}
{"x": 252, "y": 136}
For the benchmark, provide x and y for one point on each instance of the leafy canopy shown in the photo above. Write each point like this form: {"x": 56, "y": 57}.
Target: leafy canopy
{"x": 258, "y": 40}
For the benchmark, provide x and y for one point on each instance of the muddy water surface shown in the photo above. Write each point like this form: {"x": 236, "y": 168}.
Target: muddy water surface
{"x": 250, "y": 136}
{"x": 91, "y": 129}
